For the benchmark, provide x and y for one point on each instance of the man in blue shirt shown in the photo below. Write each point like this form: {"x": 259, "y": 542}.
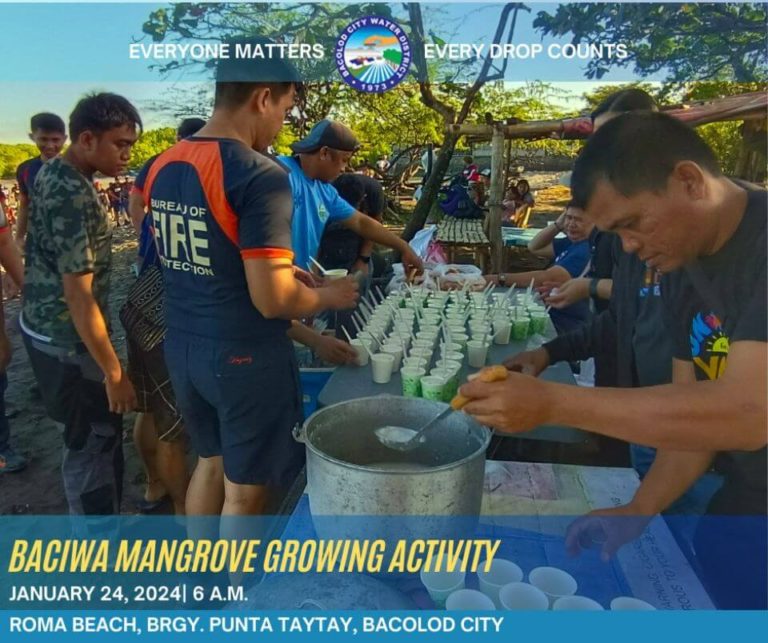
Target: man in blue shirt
{"x": 318, "y": 160}
{"x": 571, "y": 256}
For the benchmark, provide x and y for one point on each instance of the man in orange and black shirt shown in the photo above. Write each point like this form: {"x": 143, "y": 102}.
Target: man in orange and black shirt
{"x": 221, "y": 212}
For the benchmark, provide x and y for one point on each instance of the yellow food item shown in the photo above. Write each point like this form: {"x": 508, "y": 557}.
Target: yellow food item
{"x": 496, "y": 373}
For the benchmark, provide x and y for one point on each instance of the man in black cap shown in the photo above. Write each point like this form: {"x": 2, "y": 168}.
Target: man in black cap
{"x": 318, "y": 160}
{"x": 221, "y": 212}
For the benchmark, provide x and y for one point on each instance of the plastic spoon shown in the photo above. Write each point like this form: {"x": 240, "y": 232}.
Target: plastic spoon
{"x": 365, "y": 344}
{"x": 322, "y": 270}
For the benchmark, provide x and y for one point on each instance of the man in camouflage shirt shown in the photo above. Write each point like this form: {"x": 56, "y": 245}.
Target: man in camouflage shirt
{"x": 65, "y": 315}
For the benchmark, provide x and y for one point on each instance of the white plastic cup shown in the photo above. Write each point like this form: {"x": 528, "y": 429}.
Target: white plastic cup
{"x": 441, "y": 585}
{"x": 501, "y": 331}
{"x": 554, "y": 582}
{"x": 421, "y": 353}
{"x": 396, "y": 351}
{"x": 450, "y": 347}
{"x": 477, "y": 353}
{"x": 478, "y": 332}
{"x": 502, "y": 572}
{"x": 451, "y": 364}
{"x": 381, "y": 367}
{"x": 460, "y": 338}
{"x": 414, "y": 362}
{"x": 629, "y": 603}
{"x": 456, "y": 324}
{"x": 336, "y": 273}
{"x": 523, "y": 596}
{"x": 377, "y": 329}
{"x": 362, "y": 354}
{"x": 576, "y": 604}
{"x": 457, "y": 356}
{"x": 468, "y": 599}
{"x": 434, "y": 388}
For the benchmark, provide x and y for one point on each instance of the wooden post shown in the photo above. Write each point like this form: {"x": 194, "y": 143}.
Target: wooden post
{"x": 496, "y": 197}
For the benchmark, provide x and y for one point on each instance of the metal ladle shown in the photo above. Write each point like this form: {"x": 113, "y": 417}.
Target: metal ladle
{"x": 399, "y": 438}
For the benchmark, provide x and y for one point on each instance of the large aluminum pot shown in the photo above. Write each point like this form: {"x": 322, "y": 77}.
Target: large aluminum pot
{"x": 350, "y": 473}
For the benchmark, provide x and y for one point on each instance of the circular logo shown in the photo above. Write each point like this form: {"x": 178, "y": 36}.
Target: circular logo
{"x": 373, "y": 54}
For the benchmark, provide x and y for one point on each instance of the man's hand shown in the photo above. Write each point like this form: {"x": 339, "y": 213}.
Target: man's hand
{"x": 567, "y": 293}
{"x": 528, "y": 362}
{"x": 335, "y": 351}
{"x": 10, "y": 289}
{"x": 610, "y": 529}
{"x": 518, "y": 404}
{"x": 342, "y": 294}
{"x": 309, "y": 279}
{"x": 120, "y": 393}
{"x": 411, "y": 261}
{"x": 5, "y": 351}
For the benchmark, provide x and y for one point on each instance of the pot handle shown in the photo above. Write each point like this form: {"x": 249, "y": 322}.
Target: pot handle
{"x": 299, "y": 433}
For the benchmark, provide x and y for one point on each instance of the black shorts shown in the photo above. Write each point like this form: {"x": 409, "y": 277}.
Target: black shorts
{"x": 154, "y": 392}
{"x": 240, "y": 400}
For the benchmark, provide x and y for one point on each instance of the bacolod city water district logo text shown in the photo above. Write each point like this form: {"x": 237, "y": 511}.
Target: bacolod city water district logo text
{"x": 373, "y": 54}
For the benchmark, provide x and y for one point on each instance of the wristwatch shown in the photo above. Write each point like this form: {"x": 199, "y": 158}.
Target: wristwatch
{"x": 502, "y": 279}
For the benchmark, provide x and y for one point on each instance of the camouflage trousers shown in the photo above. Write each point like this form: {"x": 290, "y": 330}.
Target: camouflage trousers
{"x": 73, "y": 391}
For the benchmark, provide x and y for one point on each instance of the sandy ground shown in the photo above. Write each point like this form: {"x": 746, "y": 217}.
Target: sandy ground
{"x": 35, "y": 436}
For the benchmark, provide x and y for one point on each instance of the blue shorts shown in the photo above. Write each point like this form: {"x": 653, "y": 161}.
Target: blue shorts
{"x": 240, "y": 399}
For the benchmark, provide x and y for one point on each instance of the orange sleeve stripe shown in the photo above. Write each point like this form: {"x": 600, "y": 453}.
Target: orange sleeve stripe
{"x": 266, "y": 253}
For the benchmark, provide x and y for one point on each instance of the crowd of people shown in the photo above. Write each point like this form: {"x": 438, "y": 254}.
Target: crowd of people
{"x": 228, "y": 234}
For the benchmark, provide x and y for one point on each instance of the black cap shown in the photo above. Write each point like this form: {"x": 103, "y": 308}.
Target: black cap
{"x": 327, "y": 133}
{"x": 251, "y": 60}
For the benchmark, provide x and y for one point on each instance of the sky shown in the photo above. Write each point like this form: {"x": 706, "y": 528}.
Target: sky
{"x": 54, "y": 53}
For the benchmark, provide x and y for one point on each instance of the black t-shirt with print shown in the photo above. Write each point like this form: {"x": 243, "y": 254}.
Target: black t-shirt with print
{"x": 725, "y": 304}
